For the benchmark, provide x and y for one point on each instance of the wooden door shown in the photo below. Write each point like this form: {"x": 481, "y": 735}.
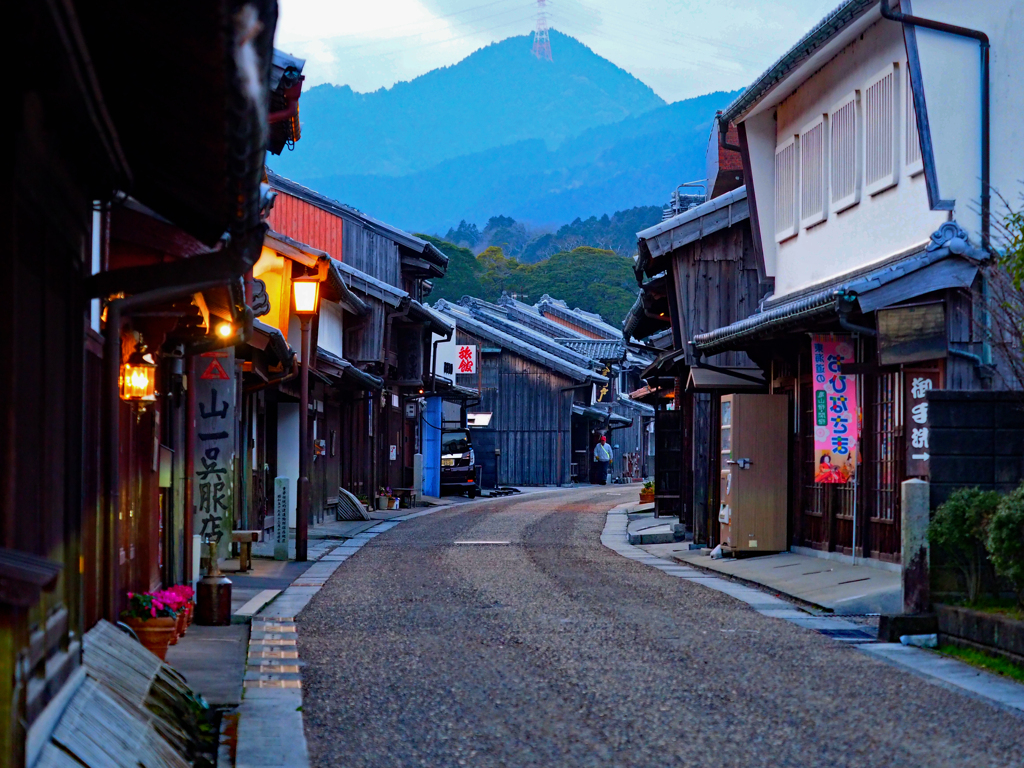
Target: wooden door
{"x": 668, "y": 462}
{"x": 754, "y": 440}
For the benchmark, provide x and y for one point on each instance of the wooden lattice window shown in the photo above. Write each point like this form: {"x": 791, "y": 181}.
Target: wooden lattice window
{"x": 881, "y": 123}
{"x": 786, "y": 175}
{"x": 886, "y": 459}
{"x": 813, "y": 180}
{"x": 844, "y": 153}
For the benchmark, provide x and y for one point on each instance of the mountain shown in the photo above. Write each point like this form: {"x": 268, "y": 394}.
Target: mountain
{"x": 592, "y": 279}
{"x": 495, "y": 97}
{"x": 637, "y": 161}
{"x": 520, "y": 241}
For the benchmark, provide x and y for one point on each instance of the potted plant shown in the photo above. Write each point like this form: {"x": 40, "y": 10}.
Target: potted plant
{"x": 179, "y": 599}
{"x": 153, "y": 621}
{"x": 647, "y": 492}
{"x": 383, "y": 498}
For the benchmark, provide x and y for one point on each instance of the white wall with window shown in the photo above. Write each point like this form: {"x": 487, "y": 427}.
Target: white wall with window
{"x": 844, "y": 191}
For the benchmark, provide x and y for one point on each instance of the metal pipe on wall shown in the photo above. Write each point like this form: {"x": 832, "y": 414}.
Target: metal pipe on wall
{"x": 986, "y": 46}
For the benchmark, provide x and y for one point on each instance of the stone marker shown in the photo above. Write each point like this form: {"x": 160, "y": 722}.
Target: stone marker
{"x": 914, "y": 546}
{"x": 280, "y": 518}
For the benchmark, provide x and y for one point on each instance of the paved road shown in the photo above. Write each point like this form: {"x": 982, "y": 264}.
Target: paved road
{"x": 554, "y": 651}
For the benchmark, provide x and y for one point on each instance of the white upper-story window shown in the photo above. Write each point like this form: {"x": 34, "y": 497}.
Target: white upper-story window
{"x": 881, "y": 130}
{"x": 844, "y": 153}
{"x": 813, "y": 178}
{"x": 787, "y": 174}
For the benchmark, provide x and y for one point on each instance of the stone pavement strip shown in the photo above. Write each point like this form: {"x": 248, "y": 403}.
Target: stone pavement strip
{"x": 937, "y": 669}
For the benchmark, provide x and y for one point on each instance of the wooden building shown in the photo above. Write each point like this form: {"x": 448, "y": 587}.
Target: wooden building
{"x": 550, "y": 391}
{"x": 696, "y": 271}
{"x": 370, "y": 350}
{"x": 91, "y": 273}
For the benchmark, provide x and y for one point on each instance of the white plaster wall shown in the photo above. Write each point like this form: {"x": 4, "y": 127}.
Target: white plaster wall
{"x": 760, "y": 130}
{"x": 288, "y": 451}
{"x": 446, "y": 352}
{"x": 330, "y": 329}
{"x": 878, "y": 226}
{"x": 951, "y": 74}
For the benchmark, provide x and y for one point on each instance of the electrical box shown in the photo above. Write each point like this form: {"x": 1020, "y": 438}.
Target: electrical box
{"x": 754, "y": 473}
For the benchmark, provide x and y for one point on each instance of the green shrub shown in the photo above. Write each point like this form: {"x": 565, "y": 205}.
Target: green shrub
{"x": 1006, "y": 540}
{"x": 960, "y": 529}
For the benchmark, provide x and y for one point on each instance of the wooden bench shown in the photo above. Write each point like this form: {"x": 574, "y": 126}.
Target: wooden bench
{"x": 406, "y": 494}
{"x": 244, "y": 540}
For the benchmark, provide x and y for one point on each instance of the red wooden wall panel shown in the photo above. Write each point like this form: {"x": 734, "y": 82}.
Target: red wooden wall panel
{"x": 306, "y": 223}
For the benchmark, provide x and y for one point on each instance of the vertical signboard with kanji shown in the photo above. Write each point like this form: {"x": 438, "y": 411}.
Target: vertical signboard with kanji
{"x": 917, "y": 424}
{"x": 214, "y": 443}
{"x": 466, "y": 358}
{"x": 835, "y": 410}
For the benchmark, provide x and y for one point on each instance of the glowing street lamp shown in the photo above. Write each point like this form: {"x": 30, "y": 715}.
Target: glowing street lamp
{"x": 138, "y": 377}
{"x": 306, "y": 293}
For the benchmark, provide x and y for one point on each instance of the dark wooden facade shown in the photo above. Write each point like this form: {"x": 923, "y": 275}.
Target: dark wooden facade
{"x": 711, "y": 279}
{"x": 81, "y": 128}
{"x": 532, "y": 415}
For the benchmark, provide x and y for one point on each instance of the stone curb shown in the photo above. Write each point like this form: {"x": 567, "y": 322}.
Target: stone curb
{"x": 936, "y": 669}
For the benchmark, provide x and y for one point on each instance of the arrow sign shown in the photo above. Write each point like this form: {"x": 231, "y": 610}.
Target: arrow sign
{"x": 920, "y": 456}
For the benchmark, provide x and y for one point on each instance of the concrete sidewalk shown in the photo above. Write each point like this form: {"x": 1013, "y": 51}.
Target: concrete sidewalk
{"x": 839, "y": 587}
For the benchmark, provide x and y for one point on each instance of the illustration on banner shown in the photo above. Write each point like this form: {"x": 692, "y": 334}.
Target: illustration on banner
{"x": 835, "y": 410}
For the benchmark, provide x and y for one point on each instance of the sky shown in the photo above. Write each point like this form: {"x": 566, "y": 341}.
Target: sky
{"x": 680, "y": 48}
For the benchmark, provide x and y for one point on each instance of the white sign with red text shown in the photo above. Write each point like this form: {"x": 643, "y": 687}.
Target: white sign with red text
{"x": 465, "y": 358}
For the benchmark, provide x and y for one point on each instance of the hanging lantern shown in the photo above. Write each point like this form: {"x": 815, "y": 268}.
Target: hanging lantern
{"x": 138, "y": 377}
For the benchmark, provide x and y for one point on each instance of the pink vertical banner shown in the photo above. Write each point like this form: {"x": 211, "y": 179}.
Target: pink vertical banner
{"x": 835, "y": 410}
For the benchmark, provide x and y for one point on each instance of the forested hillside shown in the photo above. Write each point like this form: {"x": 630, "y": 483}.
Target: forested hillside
{"x": 530, "y": 245}
{"x": 592, "y": 279}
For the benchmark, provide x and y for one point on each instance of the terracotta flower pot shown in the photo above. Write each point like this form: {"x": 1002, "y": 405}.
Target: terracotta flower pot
{"x": 646, "y": 497}
{"x": 190, "y": 607}
{"x": 154, "y": 634}
{"x": 182, "y": 622}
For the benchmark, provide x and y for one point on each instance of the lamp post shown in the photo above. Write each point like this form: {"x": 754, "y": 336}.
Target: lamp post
{"x": 306, "y": 291}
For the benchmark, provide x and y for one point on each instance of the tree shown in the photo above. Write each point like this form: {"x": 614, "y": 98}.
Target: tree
{"x": 960, "y": 529}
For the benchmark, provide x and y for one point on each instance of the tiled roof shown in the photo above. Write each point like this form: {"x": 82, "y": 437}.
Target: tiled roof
{"x": 605, "y": 350}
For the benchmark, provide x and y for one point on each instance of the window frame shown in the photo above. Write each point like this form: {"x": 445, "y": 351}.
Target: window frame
{"x": 792, "y": 228}
{"x": 838, "y": 205}
{"x": 808, "y": 220}
{"x": 890, "y": 180}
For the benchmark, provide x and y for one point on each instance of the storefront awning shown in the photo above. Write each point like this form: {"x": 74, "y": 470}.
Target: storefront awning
{"x": 668, "y": 364}
{"x": 343, "y": 371}
{"x": 598, "y": 414}
{"x": 727, "y": 379}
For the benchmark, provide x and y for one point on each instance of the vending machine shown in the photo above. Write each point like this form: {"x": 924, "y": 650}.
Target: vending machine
{"x": 754, "y": 473}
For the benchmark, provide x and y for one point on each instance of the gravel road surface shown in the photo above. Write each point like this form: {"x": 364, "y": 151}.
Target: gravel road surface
{"x": 554, "y": 651}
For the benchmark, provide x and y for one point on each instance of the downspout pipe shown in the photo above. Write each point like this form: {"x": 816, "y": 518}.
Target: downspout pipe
{"x": 723, "y": 128}
{"x": 983, "y": 40}
{"x": 433, "y": 360}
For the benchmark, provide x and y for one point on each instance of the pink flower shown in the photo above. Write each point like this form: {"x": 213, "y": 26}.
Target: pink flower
{"x": 131, "y": 595}
{"x": 152, "y": 612}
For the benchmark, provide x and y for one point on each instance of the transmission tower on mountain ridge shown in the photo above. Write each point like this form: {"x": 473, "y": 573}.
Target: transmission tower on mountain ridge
{"x": 541, "y": 42}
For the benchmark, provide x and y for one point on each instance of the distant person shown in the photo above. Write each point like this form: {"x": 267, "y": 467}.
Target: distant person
{"x": 603, "y": 457}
